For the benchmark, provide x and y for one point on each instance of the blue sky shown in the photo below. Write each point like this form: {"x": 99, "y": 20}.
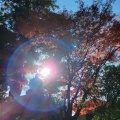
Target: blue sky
{"x": 71, "y": 5}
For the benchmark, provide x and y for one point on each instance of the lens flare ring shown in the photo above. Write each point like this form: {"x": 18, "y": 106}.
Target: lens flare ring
{"x": 18, "y": 67}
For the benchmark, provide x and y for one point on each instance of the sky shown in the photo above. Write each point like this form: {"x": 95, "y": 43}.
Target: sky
{"x": 71, "y": 5}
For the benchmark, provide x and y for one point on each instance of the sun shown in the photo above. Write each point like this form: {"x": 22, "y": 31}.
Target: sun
{"x": 45, "y": 72}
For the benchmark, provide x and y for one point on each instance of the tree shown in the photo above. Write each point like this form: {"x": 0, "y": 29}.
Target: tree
{"x": 53, "y": 24}
{"x": 11, "y": 11}
{"x": 94, "y": 31}
{"x": 111, "y": 94}
{"x": 95, "y": 46}
{"x": 111, "y": 83}
{"x": 9, "y": 41}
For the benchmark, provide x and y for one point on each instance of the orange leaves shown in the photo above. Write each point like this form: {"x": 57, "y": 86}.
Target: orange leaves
{"x": 30, "y": 69}
{"x": 36, "y": 25}
{"x": 89, "y": 106}
{"x": 42, "y": 42}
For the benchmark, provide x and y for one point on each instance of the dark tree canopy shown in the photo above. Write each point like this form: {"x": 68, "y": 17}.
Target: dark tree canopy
{"x": 8, "y": 43}
{"x": 11, "y": 11}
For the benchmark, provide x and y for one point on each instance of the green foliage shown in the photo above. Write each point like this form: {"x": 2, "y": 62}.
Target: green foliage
{"x": 12, "y": 10}
{"x": 109, "y": 113}
{"x": 111, "y": 92}
{"x": 111, "y": 82}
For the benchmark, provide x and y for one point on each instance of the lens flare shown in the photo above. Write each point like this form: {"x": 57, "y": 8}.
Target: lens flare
{"x": 23, "y": 65}
{"x": 45, "y": 72}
